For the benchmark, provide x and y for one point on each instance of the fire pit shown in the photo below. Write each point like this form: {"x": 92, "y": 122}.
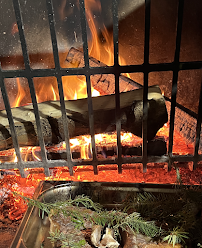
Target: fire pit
{"x": 39, "y": 145}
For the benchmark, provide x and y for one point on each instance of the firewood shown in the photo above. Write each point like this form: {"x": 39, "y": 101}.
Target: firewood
{"x": 104, "y": 83}
{"x": 26, "y": 129}
{"x": 131, "y": 114}
{"x": 155, "y": 147}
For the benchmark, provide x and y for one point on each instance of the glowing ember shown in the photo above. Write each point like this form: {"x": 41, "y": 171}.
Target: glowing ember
{"x": 82, "y": 144}
{"x": 180, "y": 146}
{"x": 12, "y": 180}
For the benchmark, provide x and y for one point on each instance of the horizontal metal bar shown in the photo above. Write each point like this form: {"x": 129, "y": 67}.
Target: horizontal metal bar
{"x": 183, "y": 158}
{"x": 192, "y": 65}
{"x": 127, "y": 160}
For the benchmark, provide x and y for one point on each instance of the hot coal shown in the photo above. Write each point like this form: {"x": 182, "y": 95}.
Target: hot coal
{"x": 155, "y": 147}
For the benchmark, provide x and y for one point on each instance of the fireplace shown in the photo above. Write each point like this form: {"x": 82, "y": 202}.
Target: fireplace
{"x": 184, "y": 116}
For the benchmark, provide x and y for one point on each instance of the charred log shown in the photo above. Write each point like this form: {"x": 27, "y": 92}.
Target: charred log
{"x": 131, "y": 114}
{"x": 155, "y": 147}
{"x": 104, "y": 83}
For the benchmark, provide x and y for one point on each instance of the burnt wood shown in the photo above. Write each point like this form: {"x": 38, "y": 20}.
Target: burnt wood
{"x": 131, "y": 105}
{"x": 155, "y": 147}
{"x": 104, "y": 83}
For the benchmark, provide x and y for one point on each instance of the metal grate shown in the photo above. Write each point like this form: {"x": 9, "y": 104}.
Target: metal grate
{"x": 116, "y": 69}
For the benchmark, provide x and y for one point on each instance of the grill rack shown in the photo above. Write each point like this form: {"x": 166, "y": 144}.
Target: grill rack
{"x": 116, "y": 69}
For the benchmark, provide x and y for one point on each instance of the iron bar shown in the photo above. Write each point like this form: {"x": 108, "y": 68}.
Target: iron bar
{"x": 175, "y": 77}
{"x": 193, "y": 65}
{"x": 186, "y": 110}
{"x": 125, "y": 160}
{"x": 59, "y": 81}
{"x": 11, "y": 124}
{"x": 145, "y": 86}
{"x": 19, "y": 20}
{"x": 88, "y": 83}
{"x": 117, "y": 91}
{"x": 198, "y": 130}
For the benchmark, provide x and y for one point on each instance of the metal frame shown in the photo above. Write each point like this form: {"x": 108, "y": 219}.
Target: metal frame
{"x": 116, "y": 69}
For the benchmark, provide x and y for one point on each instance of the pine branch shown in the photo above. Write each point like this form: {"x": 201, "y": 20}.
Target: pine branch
{"x": 176, "y": 236}
{"x": 60, "y": 206}
{"x": 115, "y": 219}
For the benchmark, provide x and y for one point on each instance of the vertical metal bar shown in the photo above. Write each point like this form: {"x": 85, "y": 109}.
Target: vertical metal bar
{"x": 198, "y": 130}
{"x": 90, "y": 104}
{"x": 11, "y": 124}
{"x": 59, "y": 80}
{"x": 145, "y": 88}
{"x": 175, "y": 78}
{"x": 30, "y": 82}
{"x": 117, "y": 91}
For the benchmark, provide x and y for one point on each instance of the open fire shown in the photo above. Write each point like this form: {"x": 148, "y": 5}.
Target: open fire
{"x": 74, "y": 87}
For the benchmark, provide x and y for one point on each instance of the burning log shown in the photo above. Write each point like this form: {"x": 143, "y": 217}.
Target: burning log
{"x": 104, "y": 83}
{"x": 131, "y": 114}
{"x": 155, "y": 147}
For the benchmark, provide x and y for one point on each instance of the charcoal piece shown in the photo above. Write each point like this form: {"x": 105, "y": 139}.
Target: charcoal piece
{"x": 76, "y": 155}
{"x": 132, "y": 151}
{"x": 56, "y": 156}
{"x": 156, "y": 147}
{"x": 157, "y": 117}
{"x": 108, "y": 151}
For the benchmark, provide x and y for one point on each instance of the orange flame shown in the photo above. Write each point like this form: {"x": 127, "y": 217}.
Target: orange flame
{"x": 102, "y": 50}
{"x": 26, "y": 186}
{"x": 75, "y": 86}
{"x": 54, "y": 94}
{"x": 20, "y": 95}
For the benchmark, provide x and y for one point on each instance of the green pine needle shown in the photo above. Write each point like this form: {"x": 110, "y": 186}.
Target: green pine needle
{"x": 176, "y": 236}
{"x": 114, "y": 218}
